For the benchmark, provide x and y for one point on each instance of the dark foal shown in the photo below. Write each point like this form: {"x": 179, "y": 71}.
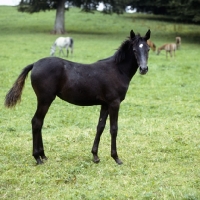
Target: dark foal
{"x": 104, "y": 83}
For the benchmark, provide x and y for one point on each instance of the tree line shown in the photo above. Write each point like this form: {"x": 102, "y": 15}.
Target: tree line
{"x": 178, "y": 10}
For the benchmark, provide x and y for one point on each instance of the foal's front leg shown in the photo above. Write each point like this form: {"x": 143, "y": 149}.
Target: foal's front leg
{"x": 100, "y": 127}
{"x": 113, "y": 113}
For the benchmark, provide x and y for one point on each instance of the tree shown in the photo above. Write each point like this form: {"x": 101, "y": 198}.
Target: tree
{"x": 184, "y": 10}
{"x": 32, "y": 6}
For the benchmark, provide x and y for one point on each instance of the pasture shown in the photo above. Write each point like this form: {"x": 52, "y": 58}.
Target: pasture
{"x": 159, "y": 121}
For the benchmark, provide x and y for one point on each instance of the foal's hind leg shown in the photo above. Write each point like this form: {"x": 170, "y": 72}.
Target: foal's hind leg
{"x": 37, "y": 123}
{"x": 100, "y": 127}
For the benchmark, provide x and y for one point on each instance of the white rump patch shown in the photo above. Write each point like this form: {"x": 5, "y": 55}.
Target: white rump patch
{"x": 141, "y": 45}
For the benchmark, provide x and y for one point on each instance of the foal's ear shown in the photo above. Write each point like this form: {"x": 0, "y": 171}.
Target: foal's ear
{"x": 147, "y": 36}
{"x": 132, "y": 34}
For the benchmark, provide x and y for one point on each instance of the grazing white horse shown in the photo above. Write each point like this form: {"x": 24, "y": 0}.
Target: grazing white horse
{"x": 62, "y": 42}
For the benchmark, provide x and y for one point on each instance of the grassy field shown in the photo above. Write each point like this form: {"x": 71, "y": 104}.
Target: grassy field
{"x": 159, "y": 121}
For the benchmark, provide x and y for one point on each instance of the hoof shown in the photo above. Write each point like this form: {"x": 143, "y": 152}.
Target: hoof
{"x": 39, "y": 161}
{"x": 96, "y": 159}
{"x": 118, "y": 161}
{"x": 44, "y": 158}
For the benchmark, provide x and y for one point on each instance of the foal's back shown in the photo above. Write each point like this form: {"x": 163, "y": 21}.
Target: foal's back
{"x": 79, "y": 84}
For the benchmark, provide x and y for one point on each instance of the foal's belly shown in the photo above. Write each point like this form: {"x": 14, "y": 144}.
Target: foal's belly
{"x": 80, "y": 97}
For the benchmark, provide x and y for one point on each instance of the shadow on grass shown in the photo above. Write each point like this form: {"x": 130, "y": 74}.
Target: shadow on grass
{"x": 45, "y": 30}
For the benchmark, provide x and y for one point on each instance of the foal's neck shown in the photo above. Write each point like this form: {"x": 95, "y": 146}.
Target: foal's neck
{"x": 129, "y": 68}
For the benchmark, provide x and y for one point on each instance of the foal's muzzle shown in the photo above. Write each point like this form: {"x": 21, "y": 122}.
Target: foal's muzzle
{"x": 143, "y": 70}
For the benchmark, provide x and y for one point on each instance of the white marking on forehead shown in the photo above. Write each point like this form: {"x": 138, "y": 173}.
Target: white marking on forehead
{"x": 141, "y": 45}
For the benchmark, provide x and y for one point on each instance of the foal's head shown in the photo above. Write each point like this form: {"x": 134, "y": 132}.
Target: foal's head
{"x": 140, "y": 50}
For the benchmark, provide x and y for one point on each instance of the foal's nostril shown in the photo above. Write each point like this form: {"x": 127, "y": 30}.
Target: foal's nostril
{"x": 143, "y": 70}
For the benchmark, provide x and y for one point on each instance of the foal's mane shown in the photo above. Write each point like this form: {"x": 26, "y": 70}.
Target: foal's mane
{"x": 120, "y": 54}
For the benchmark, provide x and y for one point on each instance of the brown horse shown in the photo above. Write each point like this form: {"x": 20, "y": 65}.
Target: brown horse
{"x": 178, "y": 42}
{"x": 169, "y": 48}
{"x": 151, "y": 45}
{"x": 103, "y": 83}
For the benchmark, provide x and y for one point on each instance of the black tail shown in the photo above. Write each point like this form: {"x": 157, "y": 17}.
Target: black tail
{"x": 14, "y": 94}
{"x": 71, "y": 42}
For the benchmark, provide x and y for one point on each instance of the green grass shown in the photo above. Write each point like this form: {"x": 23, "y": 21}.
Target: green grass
{"x": 159, "y": 121}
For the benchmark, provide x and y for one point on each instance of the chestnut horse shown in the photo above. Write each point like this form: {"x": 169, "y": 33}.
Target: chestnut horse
{"x": 151, "y": 45}
{"x": 103, "y": 83}
{"x": 169, "y": 48}
{"x": 178, "y": 42}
